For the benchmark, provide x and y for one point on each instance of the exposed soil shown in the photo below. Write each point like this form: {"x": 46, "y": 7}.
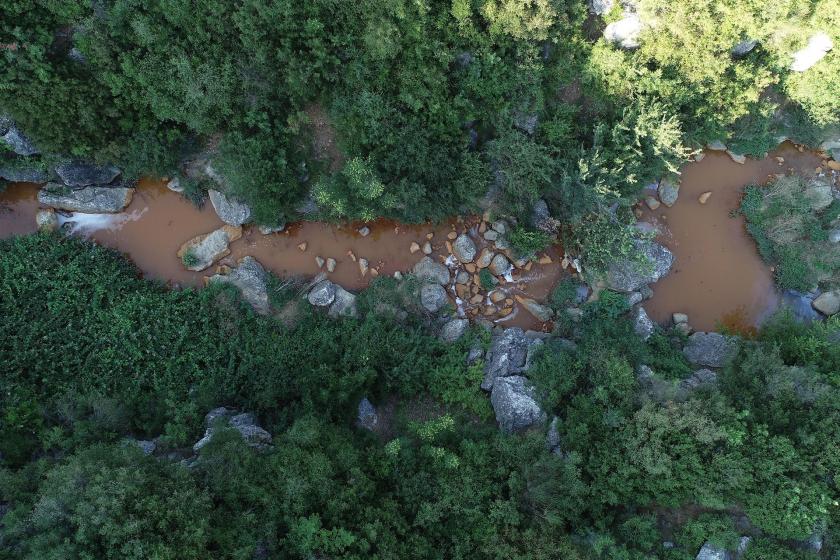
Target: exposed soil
{"x": 324, "y": 138}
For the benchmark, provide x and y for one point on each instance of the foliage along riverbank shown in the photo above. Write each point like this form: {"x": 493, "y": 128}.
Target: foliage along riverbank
{"x": 93, "y": 356}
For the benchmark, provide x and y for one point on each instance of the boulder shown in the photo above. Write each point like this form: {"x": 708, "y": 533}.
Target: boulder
{"x": 716, "y": 145}
{"x": 736, "y": 157}
{"x": 82, "y": 174}
{"x": 322, "y": 294}
{"x": 147, "y": 447}
{"x": 711, "y": 349}
{"x": 818, "y": 193}
{"x": 539, "y": 213}
{"x": 817, "y": 47}
{"x": 668, "y": 192}
{"x": 88, "y": 200}
{"x": 500, "y": 265}
{"x": 624, "y": 32}
{"x": 201, "y": 251}
{"x": 251, "y": 279}
{"x": 245, "y": 424}
{"x": 712, "y": 552}
{"x": 552, "y": 437}
{"x": 515, "y": 405}
{"x": 367, "y": 417}
{"x": 174, "y": 185}
{"x": 828, "y": 303}
{"x": 642, "y": 324}
{"x": 268, "y": 230}
{"x": 230, "y": 211}
{"x": 834, "y": 235}
{"x": 800, "y": 306}
{"x": 463, "y": 248}
{"x": 433, "y": 297}
{"x": 541, "y": 312}
{"x": 485, "y": 258}
{"x": 744, "y": 47}
{"x": 453, "y": 330}
{"x": 700, "y": 378}
{"x": 600, "y": 7}
{"x": 526, "y": 122}
{"x": 18, "y": 142}
{"x": 507, "y": 355}
{"x": 46, "y": 220}
{"x": 23, "y": 172}
{"x": 628, "y": 275}
{"x": 428, "y": 270}
{"x": 344, "y": 304}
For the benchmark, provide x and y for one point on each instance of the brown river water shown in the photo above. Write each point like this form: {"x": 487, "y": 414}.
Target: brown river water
{"x": 718, "y": 277}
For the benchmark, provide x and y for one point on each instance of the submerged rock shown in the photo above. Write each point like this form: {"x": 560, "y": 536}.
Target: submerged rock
{"x": 628, "y": 275}
{"x": 541, "y": 312}
{"x": 711, "y": 349}
{"x": 428, "y": 270}
{"x": 230, "y": 211}
{"x": 800, "y": 306}
{"x": 203, "y": 250}
{"x": 88, "y": 200}
{"x": 250, "y": 277}
{"x": 515, "y": 405}
{"x": 817, "y": 47}
{"x": 82, "y": 174}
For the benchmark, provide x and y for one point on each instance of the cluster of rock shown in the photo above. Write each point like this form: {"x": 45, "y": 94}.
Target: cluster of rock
{"x": 226, "y": 418}
{"x": 328, "y": 295}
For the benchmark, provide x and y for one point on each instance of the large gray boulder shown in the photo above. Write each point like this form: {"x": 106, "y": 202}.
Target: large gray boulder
{"x": 668, "y": 191}
{"x": 711, "y": 349}
{"x": 600, "y": 7}
{"x": 244, "y": 423}
{"x": 230, "y": 211}
{"x": 453, "y": 330}
{"x": 539, "y": 213}
{"x": 88, "y": 200}
{"x": 744, "y": 47}
{"x": 818, "y": 192}
{"x": 433, "y": 297}
{"x": 428, "y": 270}
{"x": 251, "y": 279}
{"x": 700, "y": 378}
{"x": 642, "y": 324}
{"x": 500, "y": 265}
{"x": 712, "y": 552}
{"x": 23, "y": 172}
{"x": 515, "y": 405}
{"x": 507, "y": 355}
{"x": 18, "y": 142}
{"x": 203, "y": 250}
{"x": 322, "y": 294}
{"x": 367, "y": 417}
{"x": 463, "y": 248}
{"x": 817, "y": 47}
{"x": 82, "y": 174}
{"x": 828, "y": 303}
{"x": 344, "y": 304}
{"x": 628, "y": 275}
{"x": 624, "y": 32}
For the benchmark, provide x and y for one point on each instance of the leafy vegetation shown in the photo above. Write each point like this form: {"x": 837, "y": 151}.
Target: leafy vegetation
{"x": 100, "y": 357}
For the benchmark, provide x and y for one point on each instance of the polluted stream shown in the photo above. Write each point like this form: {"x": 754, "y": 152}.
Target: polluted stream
{"x": 158, "y": 221}
{"x": 718, "y": 278}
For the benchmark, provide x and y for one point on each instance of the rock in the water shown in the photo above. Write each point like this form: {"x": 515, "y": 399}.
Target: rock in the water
{"x": 364, "y": 231}
{"x": 744, "y": 47}
{"x": 433, "y": 297}
{"x": 704, "y": 197}
{"x": 800, "y": 306}
{"x": 541, "y": 312}
{"x": 736, "y": 157}
{"x": 203, "y": 250}
{"x": 828, "y": 303}
{"x": 463, "y": 248}
{"x": 344, "y": 304}
{"x": 18, "y": 142}
{"x": 507, "y": 355}
{"x": 250, "y": 277}
{"x": 652, "y": 202}
{"x": 268, "y": 230}
{"x": 89, "y": 200}
{"x": 711, "y": 349}
{"x": 642, "y": 324}
{"x": 428, "y": 270}
{"x": 514, "y": 403}
{"x": 82, "y": 174}
{"x": 668, "y": 192}
{"x": 624, "y": 32}
{"x": 367, "y": 417}
{"x": 817, "y": 47}
{"x": 23, "y": 172}
{"x": 453, "y": 330}
{"x": 679, "y": 318}
{"x": 600, "y": 7}
{"x": 627, "y": 275}
{"x": 322, "y": 294}
{"x": 46, "y": 220}
{"x": 230, "y": 211}
{"x": 174, "y": 185}
{"x": 500, "y": 265}
{"x": 716, "y": 145}
{"x": 245, "y": 424}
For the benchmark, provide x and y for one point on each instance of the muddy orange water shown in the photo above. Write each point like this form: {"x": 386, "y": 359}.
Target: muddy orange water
{"x": 158, "y": 221}
{"x": 718, "y": 277}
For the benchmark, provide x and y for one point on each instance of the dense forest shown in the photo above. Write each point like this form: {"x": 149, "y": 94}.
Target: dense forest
{"x": 413, "y": 110}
